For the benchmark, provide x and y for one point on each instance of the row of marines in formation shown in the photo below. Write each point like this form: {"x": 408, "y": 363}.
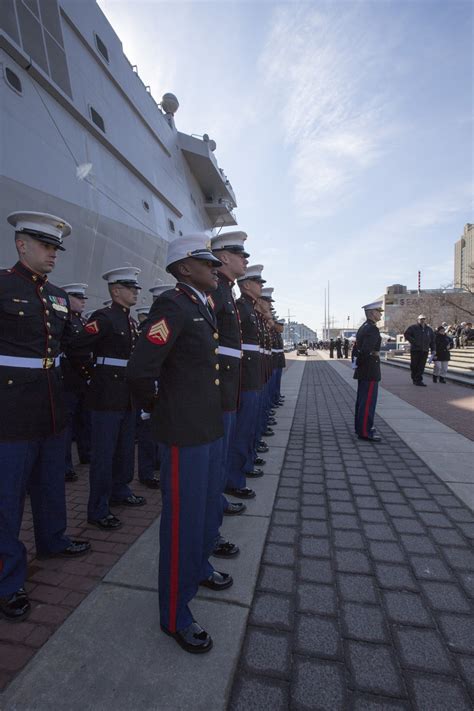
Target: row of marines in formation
{"x": 202, "y": 372}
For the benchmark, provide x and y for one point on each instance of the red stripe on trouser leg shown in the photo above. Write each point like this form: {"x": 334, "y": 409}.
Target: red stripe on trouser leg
{"x": 174, "y": 566}
{"x": 367, "y": 408}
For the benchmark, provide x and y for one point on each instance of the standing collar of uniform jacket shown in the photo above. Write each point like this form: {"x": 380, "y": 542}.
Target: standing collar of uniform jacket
{"x": 192, "y": 292}
{"x": 114, "y": 305}
{"x": 32, "y": 276}
{"x": 246, "y": 297}
{"x": 225, "y": 279}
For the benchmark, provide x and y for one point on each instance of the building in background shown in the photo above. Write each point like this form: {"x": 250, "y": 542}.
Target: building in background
{"x": 296, "y": 332}
{"x": 464, "y": 260}
{"x": 402, "y": 306}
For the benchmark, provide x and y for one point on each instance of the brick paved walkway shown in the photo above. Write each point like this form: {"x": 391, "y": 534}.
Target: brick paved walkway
{"x": 57, "y": 586}
{"x": 364, "y": 599}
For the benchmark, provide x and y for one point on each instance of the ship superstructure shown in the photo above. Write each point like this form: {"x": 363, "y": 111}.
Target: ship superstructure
{"x": 83, "y": 138}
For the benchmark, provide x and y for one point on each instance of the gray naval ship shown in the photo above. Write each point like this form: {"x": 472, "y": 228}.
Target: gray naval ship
{"x": 83, "y": 138}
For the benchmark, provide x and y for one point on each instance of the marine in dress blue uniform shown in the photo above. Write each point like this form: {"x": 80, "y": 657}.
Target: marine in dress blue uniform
{"x": 110, "y": 335}
{"x": 229, "y": 248}
{"x": 178, "y": 348}
{"x": 78, "y": 423}
{"x": 242, "y": 454}
{"x": 367, "y": 372}
{"x": 34, "y": 329}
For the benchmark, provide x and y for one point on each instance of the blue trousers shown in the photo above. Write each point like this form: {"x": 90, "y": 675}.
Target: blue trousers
{"x": 279, "y": 373}
{"x": 230, "y": 421}
{"x": 191, "y": 488}
{"x": 36, "y": 466}
{"x": 112, "y": 459}
{"x": 148, "y": 450}
{"x": 367, "y": 391}
{"x": 242, "y": 451}
{"x": 77, "y": 427}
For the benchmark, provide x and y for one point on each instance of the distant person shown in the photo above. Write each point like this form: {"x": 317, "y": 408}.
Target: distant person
{"x": 367, "y": 373}
{"x": 421, "y": 338}
{"x": 346, "y": 348}
{"x": 331, "y": 348}
{"x": 467, "y": 335}
{"x": 443, "y": 345}
{"x": 339, "y": 347}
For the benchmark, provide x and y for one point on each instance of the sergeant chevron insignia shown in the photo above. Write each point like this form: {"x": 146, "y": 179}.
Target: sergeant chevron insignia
{"x": 211, "y": 302}
{"x": 159, "y": 332}
{"x": 92, "y": 327}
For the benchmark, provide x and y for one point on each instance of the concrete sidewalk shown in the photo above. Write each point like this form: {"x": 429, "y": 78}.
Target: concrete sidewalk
{"x": 110, "y": 653}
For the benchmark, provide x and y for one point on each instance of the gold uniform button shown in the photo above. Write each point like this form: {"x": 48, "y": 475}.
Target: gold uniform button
{"x": 115, "y": 375}
{"x": 49, "y": 336}
{"x": 217, "y": 366}
{"x": 45, "y": 301}
{"x": 48, "y": 324}
{"x": 216, "y": 351}
{"x": 47, "y": 312}
{"x": 216, "y": 336}
{"x": 217, "y": 381}
{"x": 10, "y": 382}
{"x": 49, "y": 350}
{"x": 21, "y": 313}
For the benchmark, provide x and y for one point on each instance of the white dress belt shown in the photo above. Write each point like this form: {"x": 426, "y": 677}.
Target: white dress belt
{"x": 118, "y": 362}
{"x": 250, "y": 347}
{"x": 277, "y": 350}
{"x": 267, "y": 352}
{"x": 233, "y": 352}
{"x": 18, "y": 362}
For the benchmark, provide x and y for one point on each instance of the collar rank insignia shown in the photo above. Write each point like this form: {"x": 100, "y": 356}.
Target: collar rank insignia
{"x": 92, "y": 327}
{"x": 159, "y": 332}
{"x": 211, "y": 303}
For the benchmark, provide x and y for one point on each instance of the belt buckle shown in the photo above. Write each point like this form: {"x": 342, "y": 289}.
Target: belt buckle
{"x": 48, "y": 363}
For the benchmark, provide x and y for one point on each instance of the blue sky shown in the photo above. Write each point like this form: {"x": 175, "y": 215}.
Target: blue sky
{"x": 344, "y": 127}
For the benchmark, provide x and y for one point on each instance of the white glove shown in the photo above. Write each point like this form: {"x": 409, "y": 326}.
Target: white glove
{"x": 145, "y": 415}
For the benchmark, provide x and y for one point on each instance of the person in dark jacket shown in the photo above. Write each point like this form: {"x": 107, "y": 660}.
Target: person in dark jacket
{"x": 339, "y": 347}
{"x": 35, "y": 328}
{"x": 346, "y": 348}
{"x": 178, "y": 348}
{"x": 331, "y": 348}
{"x": 420, "y": 336}
{"x": 443, "y": 345}
{"x": 110, "y": 335}
{"x": 367, "y": 372}
{"x": 75, "y": 384}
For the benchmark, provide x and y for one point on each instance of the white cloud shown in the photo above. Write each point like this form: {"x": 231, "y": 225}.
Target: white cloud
{"x": 320, "y": 72}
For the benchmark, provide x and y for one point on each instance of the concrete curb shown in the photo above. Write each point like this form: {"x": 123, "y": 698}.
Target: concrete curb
{"x": 110, "y": 654}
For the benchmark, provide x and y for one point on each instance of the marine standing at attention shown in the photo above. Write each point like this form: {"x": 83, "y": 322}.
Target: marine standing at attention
{"x": 367, "y": 373}
{"x": 178, "y": 350}
{"x": 34, "y": 330}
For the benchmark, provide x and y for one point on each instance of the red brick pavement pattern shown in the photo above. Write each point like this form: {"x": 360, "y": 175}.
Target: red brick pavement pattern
{"x": 57, "y": 586}
{"x": 451, "y": 404}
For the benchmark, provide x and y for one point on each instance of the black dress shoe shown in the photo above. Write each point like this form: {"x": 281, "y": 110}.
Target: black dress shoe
{"x": 225, "y": 549}
{"x": 420, "y": 385}
{"x": 234, "y": 509}
{"x": 268, "y": 432}
{"x": 107, "y": 523}
{"x": 74, "y": 550}
{"x": 16, "y": 607}
{"x": 373, "y": 438}
{"x": 244, "y": 493}
{"x": 262, "y": 448}
{"x": 272, "y": 412}
{"x": 218, "y": 581}
{"x": 70, "y": 475}
{"x": 259, "y": 462}
{"x": 131, "y": 500}
{"x": 192, "y": 639}
{"x": 254, "y": 474}
{"x": 153, "y": 483}
{"x": 272, "y": 422}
